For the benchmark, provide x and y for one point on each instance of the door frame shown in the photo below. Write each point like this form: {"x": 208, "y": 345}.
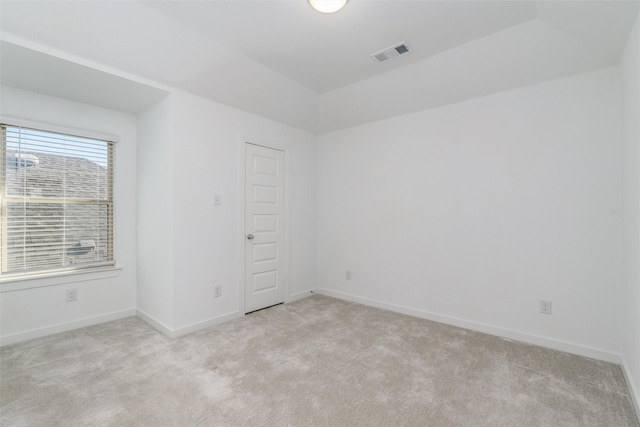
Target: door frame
{"x": 242, "y": 181}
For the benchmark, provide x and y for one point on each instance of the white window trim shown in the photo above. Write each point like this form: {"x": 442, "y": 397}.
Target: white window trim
{"x": 9, "y": 283}
{"x": 48, "y": 127}
{"x": 31, "y": 281}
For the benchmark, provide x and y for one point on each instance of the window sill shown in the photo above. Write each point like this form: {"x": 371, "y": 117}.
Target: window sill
{"x": 10, "y": 284}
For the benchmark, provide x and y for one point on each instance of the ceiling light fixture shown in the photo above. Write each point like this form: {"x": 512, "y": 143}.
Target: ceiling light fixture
{"x": 327, "y": 6}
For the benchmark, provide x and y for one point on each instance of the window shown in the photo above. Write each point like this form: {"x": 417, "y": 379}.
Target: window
{"x": 56, "y": 201}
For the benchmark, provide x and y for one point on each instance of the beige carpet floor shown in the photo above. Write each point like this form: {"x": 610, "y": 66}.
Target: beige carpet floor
{"x": 316, "y": 362}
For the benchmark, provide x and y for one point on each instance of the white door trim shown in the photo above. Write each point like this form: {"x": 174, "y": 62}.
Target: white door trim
{"x": 276, "y": 145}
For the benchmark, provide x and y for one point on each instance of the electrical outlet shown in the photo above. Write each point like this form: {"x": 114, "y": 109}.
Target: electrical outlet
{"x": 217, "y": 291}
{"x": 347, "y": 275}
{"x": 72, "y": 295}
{"x": 545, "y": 307}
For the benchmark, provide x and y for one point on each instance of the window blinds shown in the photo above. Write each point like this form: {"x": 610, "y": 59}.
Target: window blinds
{"x": 56, "y": 201}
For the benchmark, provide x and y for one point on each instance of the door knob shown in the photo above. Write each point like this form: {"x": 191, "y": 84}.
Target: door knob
{"x": 249, "y": 236}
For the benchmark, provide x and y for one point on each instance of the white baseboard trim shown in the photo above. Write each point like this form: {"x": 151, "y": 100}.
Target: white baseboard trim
{"x": 156, "y": 324}
{"x": 633, "y": 387}
{"x": 174, "y": 333}
{"x": 64, "y": 327}
{"x": 206, "y": 323}
{"x": 480, "y": 327}
{"x": 300, "y": 295}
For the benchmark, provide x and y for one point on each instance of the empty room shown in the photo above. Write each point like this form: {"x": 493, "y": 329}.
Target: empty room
{"x": 320, "y": 213}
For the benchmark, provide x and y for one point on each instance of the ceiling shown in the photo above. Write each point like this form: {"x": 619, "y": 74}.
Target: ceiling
{"x": 283, "y": 60}
{"x": 47, "y": 74}
{"x": 326, "y": 52}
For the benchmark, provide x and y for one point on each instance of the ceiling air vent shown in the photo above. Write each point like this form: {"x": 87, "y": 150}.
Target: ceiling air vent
{"x": 391, "y": 52}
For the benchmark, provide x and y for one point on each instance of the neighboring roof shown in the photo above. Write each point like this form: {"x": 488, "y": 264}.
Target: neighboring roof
{"x": 49, "y": 235}
{"x": 55, "y": 176}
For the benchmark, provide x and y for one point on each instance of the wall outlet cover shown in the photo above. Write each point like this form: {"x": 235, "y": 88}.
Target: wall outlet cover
{"x": 545, "y": 307}
{"x": 72, "y": 295}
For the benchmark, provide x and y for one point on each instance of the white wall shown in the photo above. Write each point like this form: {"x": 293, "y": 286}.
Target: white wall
{"x": 474, "y": 212}
{"x": 39, "y": 311}
{"x": 154, "y": 170}
{"x": 204, "y": 158}
{"x": 630, "y": 70}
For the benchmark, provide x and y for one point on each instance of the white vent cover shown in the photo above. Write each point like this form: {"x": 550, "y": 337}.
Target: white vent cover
{"x": 391, "y": 52}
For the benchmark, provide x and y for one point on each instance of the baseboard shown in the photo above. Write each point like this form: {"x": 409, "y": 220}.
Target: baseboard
{"x": 300, "y": 295}
{"x": 480, "y": 327}
{"x": 633, "y": 387}
{"x": 64, "y": 327}
{"x": 206, "y": 323}
{"x": 174, "y": 333}
{"x": 153, "y": 322}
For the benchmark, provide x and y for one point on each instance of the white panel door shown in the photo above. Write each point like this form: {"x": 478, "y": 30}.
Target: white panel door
{"x": 264, "y": 227}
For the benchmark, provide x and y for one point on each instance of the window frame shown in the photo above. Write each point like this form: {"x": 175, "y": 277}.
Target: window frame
{"x": 59, "y": 274}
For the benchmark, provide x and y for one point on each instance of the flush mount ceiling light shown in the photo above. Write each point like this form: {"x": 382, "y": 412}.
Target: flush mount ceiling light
{"x": 327, "y": 6}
